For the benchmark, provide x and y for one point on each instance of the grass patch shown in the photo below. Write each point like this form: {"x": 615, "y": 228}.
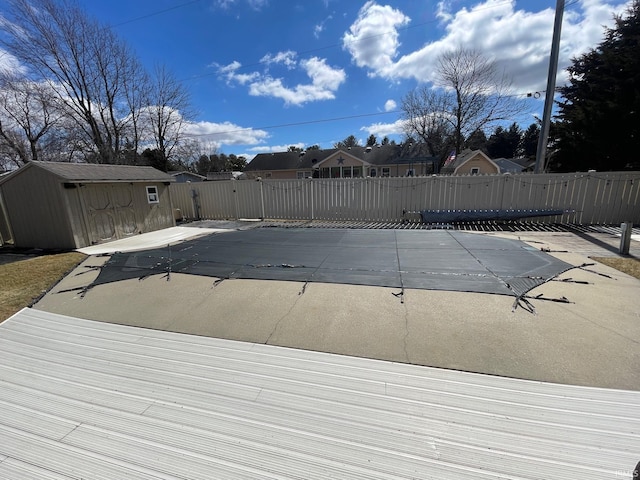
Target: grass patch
{"x": 630, "y": 266}
{"x": 23, "y": 282}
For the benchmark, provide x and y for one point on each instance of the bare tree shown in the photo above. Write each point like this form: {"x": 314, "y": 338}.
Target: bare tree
{"x": 85, "y": 62}
{"x": 426, "y": 115}
{"x": 469, "y": 94}
{"x": 168, "y": 110}
{"x": 27, "y": 119}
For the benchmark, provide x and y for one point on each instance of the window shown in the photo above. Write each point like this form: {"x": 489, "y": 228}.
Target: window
{"x": 152, "y": 194}
{"x": 385, "y": 171}
{"x": 475, "y": 171}
{"x": 372, "y": 172}
{"x": 305, "y": 174}
{"x": 267, "y": 175}
{"x": 410, "y": 172}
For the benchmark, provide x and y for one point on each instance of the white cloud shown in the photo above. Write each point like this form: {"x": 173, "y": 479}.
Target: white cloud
{"x": 275, "y": 148}
{"x": 225, "y": 133}
{"x": 227, "y": 4}
{"x": 230, "y": 72}
{"x": 372, "y": 39}
{"x": 10, "y": 64}
{"x": 382, "y": 130}
{"x": 325, "y": 80}
{"x": 287, "y": 59}
{"x": 390, "y": 105}
{"x": 519, "y": 41}
{"x": 319, "y": 28}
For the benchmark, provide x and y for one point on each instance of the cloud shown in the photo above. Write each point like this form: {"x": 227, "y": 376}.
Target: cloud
{"x": 275, "y": 148}
{"x": 319, "y": 28}
{"x": 254, "y": 4}
{"x": 325, "y": 80}
{"x": 225, "y": 133}
{"x": 382, "y": 130}
{"x": 519, "y": 40}
{"x": 390, "y": 105}
{"x": 10, "y": 64}
{"x": 230, "y": 73}
{"x": 372, "y": 39}
{"x": 287, "y": 59}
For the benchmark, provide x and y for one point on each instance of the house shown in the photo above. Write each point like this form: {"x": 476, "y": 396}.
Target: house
{"x": 185, "y": 176}
{"x": 509, "y": 165}
{"x": 389, "y": 160}
{"x": 215, "y": 176}
{"x": 470, "y": 162}
{"x": 53, "y": 205}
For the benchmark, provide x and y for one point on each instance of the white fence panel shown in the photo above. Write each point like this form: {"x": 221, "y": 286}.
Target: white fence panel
{"x": 592, "y": 198}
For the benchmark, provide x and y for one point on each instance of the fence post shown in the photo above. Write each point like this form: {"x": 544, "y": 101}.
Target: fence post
{"x": 311, "y": 198}
{"x": 625, "y": 239}
{"x": 261, "y": 198}
{"x": 235, "y": 198}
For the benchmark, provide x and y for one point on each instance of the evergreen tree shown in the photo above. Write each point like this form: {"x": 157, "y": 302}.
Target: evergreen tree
{"x": 350, "y": 141}
{"x": 477, "y": 141}
{"x": 529, "y": 143}
{"x": 504, "y": 143}
{"x": 599, "y": 117}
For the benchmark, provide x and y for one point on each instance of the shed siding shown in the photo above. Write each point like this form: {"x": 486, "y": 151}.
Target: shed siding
{"x": 154, "y": 216}
{"x": 35, "y": 204}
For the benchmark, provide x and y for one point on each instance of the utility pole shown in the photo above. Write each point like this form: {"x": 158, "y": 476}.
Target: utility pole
{"x": 541, "y": 152}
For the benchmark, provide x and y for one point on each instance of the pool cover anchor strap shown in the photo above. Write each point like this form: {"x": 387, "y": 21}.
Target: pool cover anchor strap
{"x": 399, "y": 295}
{"x": 581, "y": 267}
{"x": 83, "y": 290}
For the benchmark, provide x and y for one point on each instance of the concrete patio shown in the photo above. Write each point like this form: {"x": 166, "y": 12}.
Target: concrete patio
{"x": 592, "y": 340}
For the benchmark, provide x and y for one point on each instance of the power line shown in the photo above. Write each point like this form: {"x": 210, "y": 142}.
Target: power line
{"x": 295, "y": 124}
{"x": 334, "y": 119}
{"x": 157, "y": 12}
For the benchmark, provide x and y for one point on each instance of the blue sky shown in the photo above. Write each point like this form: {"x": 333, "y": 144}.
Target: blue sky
{"x": 265, "y": 74}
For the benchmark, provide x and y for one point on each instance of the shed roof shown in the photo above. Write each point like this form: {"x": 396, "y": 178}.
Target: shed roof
{"x": 86, "y": 399}
{"x": 98, "y": 173}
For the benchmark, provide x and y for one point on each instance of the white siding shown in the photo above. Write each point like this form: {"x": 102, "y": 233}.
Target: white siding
{"x": 92, "y": 400}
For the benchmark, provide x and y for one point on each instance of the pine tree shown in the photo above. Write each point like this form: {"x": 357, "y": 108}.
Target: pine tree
{"x": 599, "y": 117}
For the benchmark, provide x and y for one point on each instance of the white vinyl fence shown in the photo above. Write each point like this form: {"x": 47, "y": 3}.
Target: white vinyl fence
{"x": 591, "y": 198}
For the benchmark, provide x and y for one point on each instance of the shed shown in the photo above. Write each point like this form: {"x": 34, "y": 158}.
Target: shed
{"x": 54, "y": 205}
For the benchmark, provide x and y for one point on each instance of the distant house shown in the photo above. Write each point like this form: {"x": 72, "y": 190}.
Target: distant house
{"x": 184, "y": 176}
{"x": 378, "y": 161}
{"x": 509, "y": 165}
{"x": 470, "y": 162}
{"x": 53, "y": 205}
{"x": 214, "y": 176}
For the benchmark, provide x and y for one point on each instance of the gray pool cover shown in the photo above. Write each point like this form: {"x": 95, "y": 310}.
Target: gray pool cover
{"x": 420, "y": 259}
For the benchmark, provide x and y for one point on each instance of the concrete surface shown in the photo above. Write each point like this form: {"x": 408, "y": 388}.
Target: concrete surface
{"x": 593, "y": 340}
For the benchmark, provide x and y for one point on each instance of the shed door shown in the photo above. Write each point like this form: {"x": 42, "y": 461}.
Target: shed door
{"x": 110, "y": 212}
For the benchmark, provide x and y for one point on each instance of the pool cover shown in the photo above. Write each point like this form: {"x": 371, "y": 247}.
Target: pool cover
{"x": 417, "y": 259}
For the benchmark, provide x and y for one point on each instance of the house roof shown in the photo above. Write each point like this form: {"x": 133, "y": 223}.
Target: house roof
{"x": 390, "y": 154}
{"x": 462, "y": 158}
{"x": 187, "y": 174}
{"x": 459, "y": 160}
{"x": 98, "y": 173}
{"x": 508, "y": 165}
{"x": 82, "y": 399}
